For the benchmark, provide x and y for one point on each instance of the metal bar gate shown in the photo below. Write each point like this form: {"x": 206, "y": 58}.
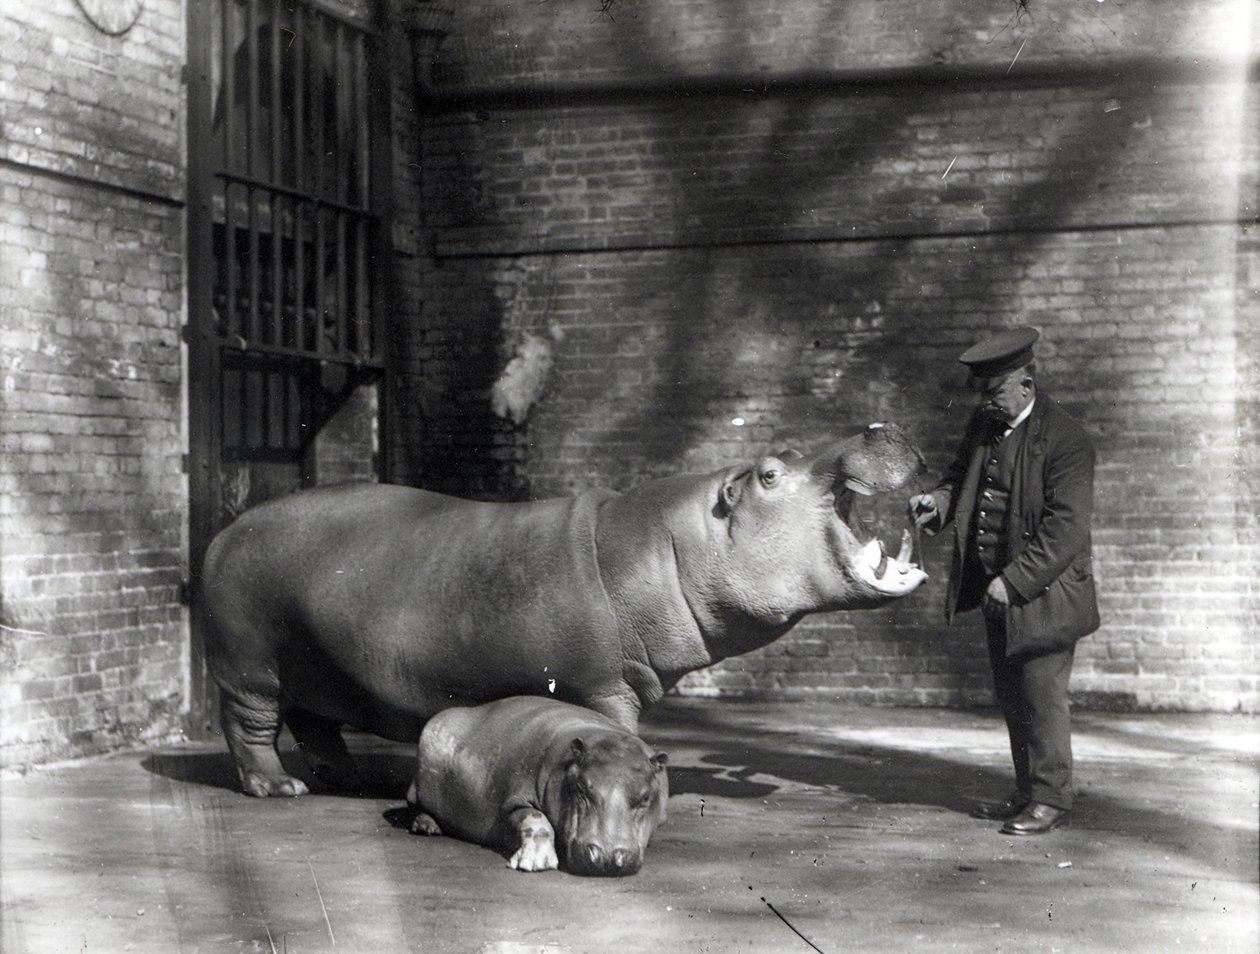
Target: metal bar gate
{"x": 282, "y": 240}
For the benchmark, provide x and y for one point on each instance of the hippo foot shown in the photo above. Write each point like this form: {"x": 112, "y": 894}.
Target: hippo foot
{"x": 264, "y": 786}
{"x": 425, "y": 824}
{"x": 538, "y": 843}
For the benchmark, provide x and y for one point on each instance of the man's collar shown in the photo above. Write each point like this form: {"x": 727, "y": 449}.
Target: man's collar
{"x": 1023, "y": 416}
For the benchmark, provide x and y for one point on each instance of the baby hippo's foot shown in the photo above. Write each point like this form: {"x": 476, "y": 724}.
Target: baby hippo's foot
{"x": 537, "y": 851}
{"x": 425, "y": 824}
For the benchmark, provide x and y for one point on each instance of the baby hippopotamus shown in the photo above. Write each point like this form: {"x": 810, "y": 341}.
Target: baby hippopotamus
{"x": 515, "y": 773}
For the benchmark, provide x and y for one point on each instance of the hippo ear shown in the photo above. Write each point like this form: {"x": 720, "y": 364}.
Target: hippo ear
{"x": 729, "y": 494}
{"x": 577, "y": 749}
{"x": 658, "y": 760}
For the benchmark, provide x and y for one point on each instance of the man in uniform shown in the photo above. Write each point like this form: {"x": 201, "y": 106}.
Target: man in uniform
{"x": 1020, "y": 494}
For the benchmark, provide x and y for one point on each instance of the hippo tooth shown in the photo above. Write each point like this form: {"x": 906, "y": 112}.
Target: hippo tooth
{"x": 872, "y": 554}
{"x": 873, "y": 564}
{"x": 907, "y": 548}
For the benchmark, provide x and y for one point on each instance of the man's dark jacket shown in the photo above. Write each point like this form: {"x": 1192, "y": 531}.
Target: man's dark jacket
{"x": 1053, "y": 603}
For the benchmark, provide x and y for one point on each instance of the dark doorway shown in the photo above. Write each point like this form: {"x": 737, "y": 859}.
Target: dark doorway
{"x": 284, "y": 231}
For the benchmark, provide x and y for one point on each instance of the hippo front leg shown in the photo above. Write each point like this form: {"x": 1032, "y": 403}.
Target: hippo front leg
{"x": 535, "y": 840}
{"x": 425, "y": 824}
{"x": 624, "y": 708}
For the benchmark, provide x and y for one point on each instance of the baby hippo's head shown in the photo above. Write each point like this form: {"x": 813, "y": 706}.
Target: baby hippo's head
{"x": 612, "y": 798}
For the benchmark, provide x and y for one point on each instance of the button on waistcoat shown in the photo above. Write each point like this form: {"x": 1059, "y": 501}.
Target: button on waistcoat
{"x": 993, "y": 501}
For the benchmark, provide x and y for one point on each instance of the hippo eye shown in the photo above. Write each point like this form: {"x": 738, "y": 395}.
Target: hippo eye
{"x": 770, "y": 476}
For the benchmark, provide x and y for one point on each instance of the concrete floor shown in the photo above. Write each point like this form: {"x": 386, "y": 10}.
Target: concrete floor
{"x": 794, "y": 827}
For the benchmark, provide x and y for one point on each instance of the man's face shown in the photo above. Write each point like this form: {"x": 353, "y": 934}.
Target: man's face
{"x": 1004, "y": 396}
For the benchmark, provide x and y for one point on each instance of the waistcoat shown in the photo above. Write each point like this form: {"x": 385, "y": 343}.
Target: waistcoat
{"x": 988, "y": 535}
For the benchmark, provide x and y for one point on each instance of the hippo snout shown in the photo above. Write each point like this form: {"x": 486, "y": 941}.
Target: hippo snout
{"x": 592, "y": 859}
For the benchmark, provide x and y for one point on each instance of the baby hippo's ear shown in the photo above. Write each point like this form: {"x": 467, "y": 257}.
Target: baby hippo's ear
{"x": 728, "y": 496}
{"x": 658, "y": 760}
{"x": 577, "y": 749}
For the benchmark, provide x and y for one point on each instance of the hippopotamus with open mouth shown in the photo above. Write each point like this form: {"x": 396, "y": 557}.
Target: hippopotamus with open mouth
{"x": 379, "y": 606}
{"x": 548, "y": 783}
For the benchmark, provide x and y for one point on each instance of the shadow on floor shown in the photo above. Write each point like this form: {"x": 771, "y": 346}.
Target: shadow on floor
{"x": 381, "y": 774}
{"x": 896, "y": 776}
{"x": 792, "y": 754}
{"x": 715, "y": 756}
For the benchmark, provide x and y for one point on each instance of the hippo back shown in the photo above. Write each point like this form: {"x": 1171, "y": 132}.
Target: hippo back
{"x": 424, "y": 600}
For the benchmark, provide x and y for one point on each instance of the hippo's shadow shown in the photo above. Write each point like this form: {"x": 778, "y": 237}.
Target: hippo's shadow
{"x": 380, "y": 774}
{"x": 729, "y": 754}
{"x": 883, "y": 775}
{"x": 209, "y": 769}
{"x": 859, "y": 772}
{"x": 401, "y": 816}
{"x": 714, "y": 782}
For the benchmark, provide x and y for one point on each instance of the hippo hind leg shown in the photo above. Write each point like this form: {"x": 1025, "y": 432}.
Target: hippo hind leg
{"x": 251, "y": 728}
{"x": 319, "y": 740}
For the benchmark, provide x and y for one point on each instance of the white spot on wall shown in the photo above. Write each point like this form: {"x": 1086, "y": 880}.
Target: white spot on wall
{"x": 524, "y": 379}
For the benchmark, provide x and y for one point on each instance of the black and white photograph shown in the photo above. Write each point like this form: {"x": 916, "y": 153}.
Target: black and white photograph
{"x": 582, "y": 476}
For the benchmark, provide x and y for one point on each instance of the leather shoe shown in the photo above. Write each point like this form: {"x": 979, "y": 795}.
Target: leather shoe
{"x": 1037, "y": 819}
{"x": 1001, "y": 811}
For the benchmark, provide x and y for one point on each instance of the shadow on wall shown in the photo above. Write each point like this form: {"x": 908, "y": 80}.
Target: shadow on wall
{"x": 873, "y": 327}
{"x": 445, "y": 436}
{"x": 793, "y": 262}
{"x": 828, "y": 344}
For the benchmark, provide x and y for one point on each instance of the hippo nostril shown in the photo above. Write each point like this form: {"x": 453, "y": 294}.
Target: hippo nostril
{"x": 591, "y": 859}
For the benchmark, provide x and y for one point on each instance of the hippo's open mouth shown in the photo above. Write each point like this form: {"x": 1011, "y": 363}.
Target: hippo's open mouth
{"x": 872, "y": 564}
{"x": 878, "y": 461}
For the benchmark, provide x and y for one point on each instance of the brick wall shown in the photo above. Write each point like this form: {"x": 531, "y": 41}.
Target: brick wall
{"x": 617, "y": 229}
{"x": 796, "y": 216}
{"x": 92, "y": 497}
